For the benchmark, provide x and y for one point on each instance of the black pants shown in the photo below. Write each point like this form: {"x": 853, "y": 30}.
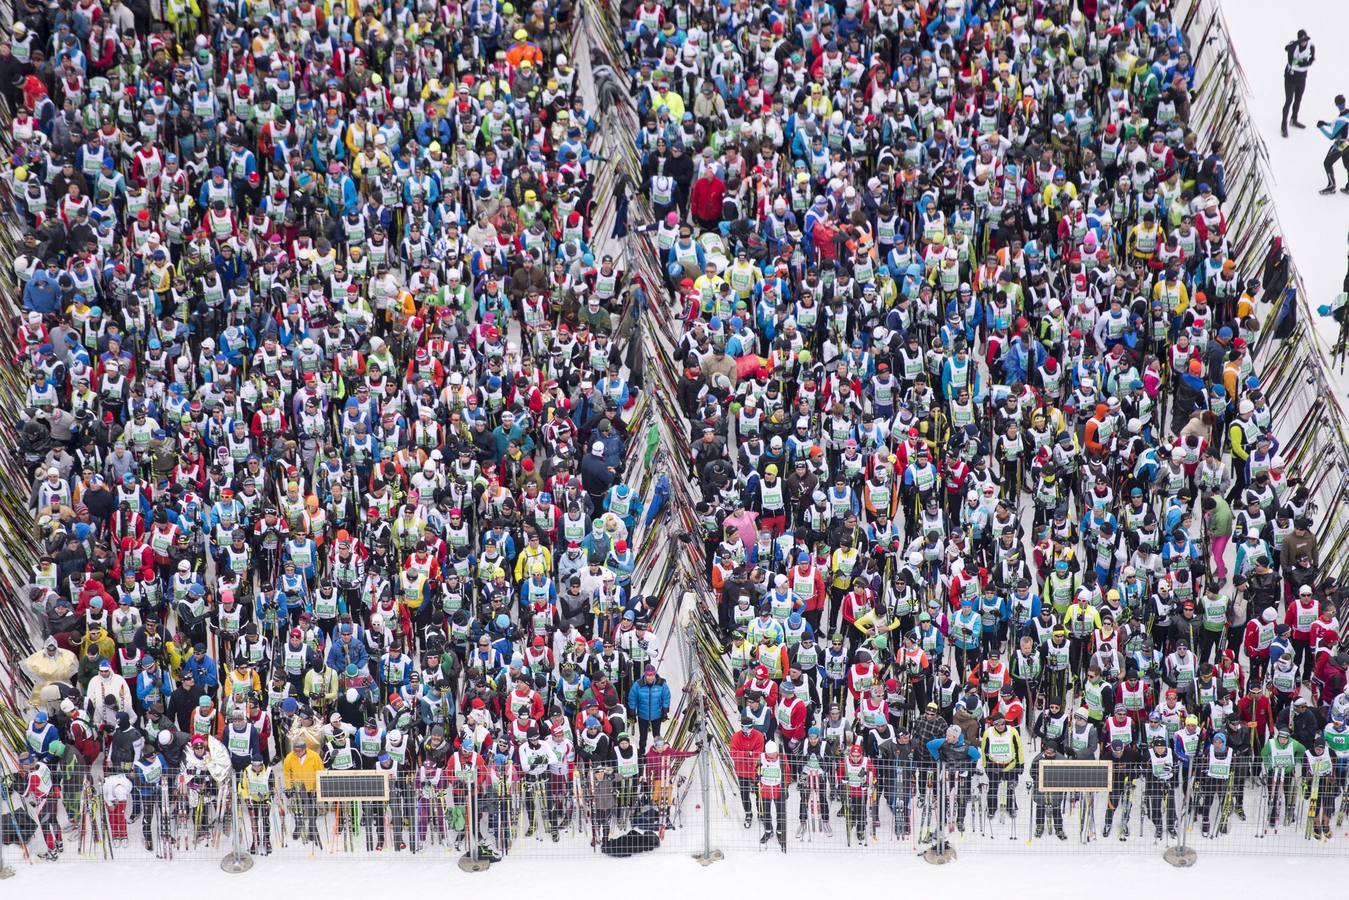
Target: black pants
{"x": 1210, "y": 797}
{"x": 1052, "y": 806}
{"x": 768, "y": 807}
{"x": 1294, "y": 84}
{"x": 647, "y": 728}
{"x": 1336, "y": 153}
{"x": 1161, "y": 804}
{"x": 818, "y": 790}
{"x": 747, "y": 786}
{"x": 997, "y": 775}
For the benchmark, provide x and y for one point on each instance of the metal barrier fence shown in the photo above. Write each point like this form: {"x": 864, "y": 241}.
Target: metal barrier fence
{"x": 478, "y": 809}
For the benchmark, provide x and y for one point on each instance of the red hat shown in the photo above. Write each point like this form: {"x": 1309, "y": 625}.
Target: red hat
{"x": 621, "y": 546}
{"x": 539, "y": 640}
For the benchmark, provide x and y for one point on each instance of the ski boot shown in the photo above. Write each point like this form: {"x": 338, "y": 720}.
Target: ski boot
{"x": 1203, "y": 830}
{"x": 1296, "y": 124}
{"x": 1039, "y": 829}
{"x": 1241, "y": 813}
{"x": 555, "y": 835}
{"x": 1058, "y": 833}
{"x": 1109, "y": 824}
{"x": 1283, "y": 129}
{"x": 749, "y": 819}
{"x": 766, "y": 837}
{"x": 782, "y": 840}
{"x": 1329, "y": 188}
{"x": 827, "y": 828}
{"x": 267, "y": 847}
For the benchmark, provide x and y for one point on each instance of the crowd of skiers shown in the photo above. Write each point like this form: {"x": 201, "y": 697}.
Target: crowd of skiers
{"x": 988, "y": 470}
{"x": 327, "y": 423}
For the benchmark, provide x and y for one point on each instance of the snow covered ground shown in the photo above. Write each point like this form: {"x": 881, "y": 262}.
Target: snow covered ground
{"x": 1315, "y": 227}
{"x": 760, "y": 875}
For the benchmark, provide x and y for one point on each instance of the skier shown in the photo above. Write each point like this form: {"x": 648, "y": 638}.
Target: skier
{"x": 1048, "y": 805}
{"x": 1301, "y": 53}
{"x": 1004, "y": 761}
{"x": 774, "y": 775}
{"x": 1337, "y": 132}
{"x": 42, "y": 798}
{"x": 255, "y": 788}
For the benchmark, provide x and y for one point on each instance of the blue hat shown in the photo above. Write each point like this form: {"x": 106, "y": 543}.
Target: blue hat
{"x": 40, "y": 718}
{"x": 503, "y": 621}
{"x": 592, "y": 722}
{"x": 289, "y": 706}
{"x": 813, "y": 731}
{"x": 803, "y": 557}
{"x": 630, "y": 615}
{"x": 1225, "y": 333}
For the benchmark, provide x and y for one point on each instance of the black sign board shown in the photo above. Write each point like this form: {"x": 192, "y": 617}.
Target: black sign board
{"x": 338, "y": 786}
{"x": 1060, "y": 776}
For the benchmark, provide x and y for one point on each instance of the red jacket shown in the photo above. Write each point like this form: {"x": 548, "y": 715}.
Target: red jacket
{"x": 1329, "y": 676}
{"x": 1258, "y": 712}
{"x": 796, "y": 715}
{"x": 705, "y": 199}
{"x": 745, "y": 750}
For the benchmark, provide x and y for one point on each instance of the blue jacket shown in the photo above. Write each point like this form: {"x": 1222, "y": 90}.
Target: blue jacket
{"x": 43, "y": 293}
{"x": 649, "y": 701}
{"x": 206, "y": 673}
{"x": 935, "y": 745}
{"x": 342, "y": 654}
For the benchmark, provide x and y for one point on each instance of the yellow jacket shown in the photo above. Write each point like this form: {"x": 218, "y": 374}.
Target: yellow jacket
{"x": 301, "y": 773}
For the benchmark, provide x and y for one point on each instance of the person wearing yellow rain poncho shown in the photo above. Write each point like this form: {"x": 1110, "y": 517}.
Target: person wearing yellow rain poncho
{"x": 48, "y": 666}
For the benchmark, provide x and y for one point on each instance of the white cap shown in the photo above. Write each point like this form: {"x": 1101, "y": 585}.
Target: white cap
{"x": 597, "y": 448}
{"x": 1245, "y": 407}
{"x": 771, "y": 747}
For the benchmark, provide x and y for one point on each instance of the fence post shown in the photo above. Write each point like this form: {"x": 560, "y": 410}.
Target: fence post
{"x": 1182, "y": 855}
{"x": 693, "y": 672}
{"x": 237, "y": 860}
{"x": 472, "y": 860}
{"x": 941, "y": 852}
